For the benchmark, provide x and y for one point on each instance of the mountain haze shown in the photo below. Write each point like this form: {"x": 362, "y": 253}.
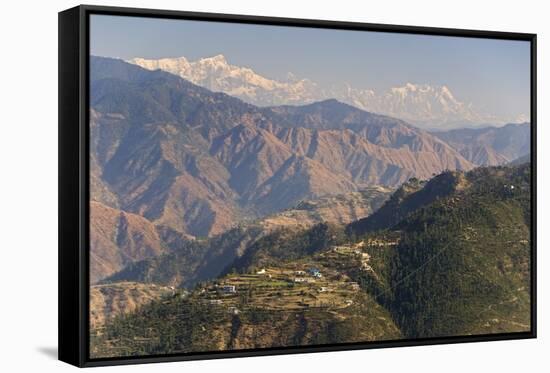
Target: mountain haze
{"x": 490, "y": 146}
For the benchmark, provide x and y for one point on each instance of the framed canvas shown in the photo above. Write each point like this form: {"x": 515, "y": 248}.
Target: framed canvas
{"x": 235, "y": 186}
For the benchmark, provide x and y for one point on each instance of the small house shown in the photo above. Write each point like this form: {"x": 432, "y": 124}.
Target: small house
{"x": 229, "y": 289}
{"x": 315, "y": 272}
{"x": 261, "y": 272}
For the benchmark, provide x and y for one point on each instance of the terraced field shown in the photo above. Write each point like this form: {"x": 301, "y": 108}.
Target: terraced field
{"x": 283, "y": 288}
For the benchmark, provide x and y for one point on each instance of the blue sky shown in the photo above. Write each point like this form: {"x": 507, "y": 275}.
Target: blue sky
{"x": 491, "y": 74}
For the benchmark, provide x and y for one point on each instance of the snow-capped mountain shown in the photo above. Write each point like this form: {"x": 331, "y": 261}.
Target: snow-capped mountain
{"x": 216, "y": 74}
{"x": 421, "y": 104}
{"x": 427, "y": 106}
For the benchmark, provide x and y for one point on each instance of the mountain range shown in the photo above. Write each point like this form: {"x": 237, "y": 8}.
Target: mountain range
{"x": 217, "y": 224}
{"x": 195, "y": 160}
{"x": 424, "y": 105}
{"x": 168, "y": 157}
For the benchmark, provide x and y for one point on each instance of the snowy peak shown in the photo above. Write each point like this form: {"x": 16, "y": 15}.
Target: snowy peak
{"x": 216, "y": 60}
{"x": 425, "y": 105}
{"x": 425, "y": 89}
{"x": 163, "y": 63}
{"x": 217, "y": 74}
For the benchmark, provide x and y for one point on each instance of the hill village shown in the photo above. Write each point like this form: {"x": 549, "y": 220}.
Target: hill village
{"x": 320, "y": 281}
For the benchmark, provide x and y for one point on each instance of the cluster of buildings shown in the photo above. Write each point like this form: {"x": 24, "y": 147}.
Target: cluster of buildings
{"x": 301, "y": 275}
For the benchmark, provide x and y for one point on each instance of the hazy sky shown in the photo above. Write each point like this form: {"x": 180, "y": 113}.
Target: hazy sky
{"x": 491, "y": 74}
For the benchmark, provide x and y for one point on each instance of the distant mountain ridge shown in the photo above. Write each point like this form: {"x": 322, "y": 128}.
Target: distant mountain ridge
{"x": 197, "y": 161}
{"x": 425, "y": 105}
{"x": 490, "y": 146}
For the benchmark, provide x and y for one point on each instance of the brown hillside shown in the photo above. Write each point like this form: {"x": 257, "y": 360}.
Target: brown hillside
{"x": 118, "y": 238}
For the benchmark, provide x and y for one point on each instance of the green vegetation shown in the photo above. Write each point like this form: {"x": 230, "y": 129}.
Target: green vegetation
{"x": 265, "y": 310}
{"x": 289, "y": 244}
{"x": 462, "y": 263}
{"x": 409, "y": 197}
{"x": 452, "y": 258}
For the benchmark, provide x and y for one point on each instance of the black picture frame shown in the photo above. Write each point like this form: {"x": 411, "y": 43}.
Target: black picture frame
{"x": 73, "y": 254}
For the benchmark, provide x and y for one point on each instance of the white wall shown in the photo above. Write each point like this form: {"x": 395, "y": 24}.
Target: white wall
{"x": 28, "y": 184}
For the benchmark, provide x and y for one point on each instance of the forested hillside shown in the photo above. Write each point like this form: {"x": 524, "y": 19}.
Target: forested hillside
{"x": 458, "y": 263}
